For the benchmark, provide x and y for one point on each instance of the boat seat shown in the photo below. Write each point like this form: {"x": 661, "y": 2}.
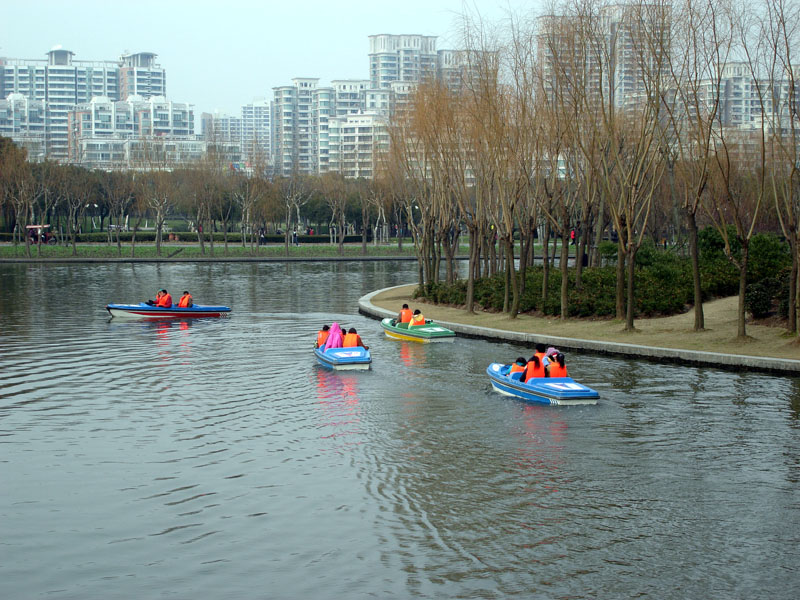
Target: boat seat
{"x": 402, "y": 325}
{"x": 516, "y": 376}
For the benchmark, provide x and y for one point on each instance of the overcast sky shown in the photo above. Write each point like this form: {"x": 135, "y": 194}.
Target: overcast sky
{"x": 220, "y": 54}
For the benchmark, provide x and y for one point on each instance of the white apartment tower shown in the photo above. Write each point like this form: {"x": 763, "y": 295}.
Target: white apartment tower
{"x": 25, "y": 122}
{"x": 323, "y": 107}
{"x": 406, "y": 58}
{"x": 293, "y": 123}
{"x": 613, "y": 71}
{"x": 139, "y": 75}
{"x": 256, "y": 130}
{"x": 356, "y": 144}
{"x": 350, "y": 95}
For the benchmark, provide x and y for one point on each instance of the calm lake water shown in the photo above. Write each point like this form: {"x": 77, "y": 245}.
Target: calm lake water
{"x": 215, "y": 459}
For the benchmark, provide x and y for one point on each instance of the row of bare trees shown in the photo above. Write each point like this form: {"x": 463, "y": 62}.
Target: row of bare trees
{"x": 568, "y": 122}
{"x": 208, "y": 194}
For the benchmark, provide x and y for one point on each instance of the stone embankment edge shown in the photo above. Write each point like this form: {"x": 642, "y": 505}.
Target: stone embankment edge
{"x": 734, "y": 362}
{"x": 209, "y": 260}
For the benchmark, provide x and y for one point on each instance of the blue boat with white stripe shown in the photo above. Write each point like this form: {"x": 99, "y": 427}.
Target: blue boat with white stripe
{"x": 344, "y": 359}
{"x": 541, "y": 390}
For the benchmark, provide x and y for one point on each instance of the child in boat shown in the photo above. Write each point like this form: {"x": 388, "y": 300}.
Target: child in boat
{"x": 517, "y": 366}
{"x": 322, "y": 336}
{"x": 557, "y": 367}
{"x": 417, "y": 319}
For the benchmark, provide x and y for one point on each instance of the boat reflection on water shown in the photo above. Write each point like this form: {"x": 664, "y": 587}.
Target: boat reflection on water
{"x": 542, "y": 436}
{"x": 338, "y": 400}
{"x": 413, "y": 355}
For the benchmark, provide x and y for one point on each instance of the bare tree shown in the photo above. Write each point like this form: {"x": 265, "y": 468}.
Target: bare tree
{"x": 782, "y": 31}
{"x": 701, "y": 44}
{"x": 118, "y": 186}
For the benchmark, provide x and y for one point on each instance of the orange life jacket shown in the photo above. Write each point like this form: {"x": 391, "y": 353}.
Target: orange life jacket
{"x": 185, "y": 301}
{"x": 406, "y": 315}
{"x": 351, "y": 340}
{"x": 165, "y": 301}
{"x": 557, "y": 370}
{"x": 515, "y": 368}
{"x": 322, "y": 337}
{"x": 417, "y": 320}
{"x": 532, "y": 371}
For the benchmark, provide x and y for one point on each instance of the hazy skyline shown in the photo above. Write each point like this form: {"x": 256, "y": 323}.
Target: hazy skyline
{"x": 220, "y": 56}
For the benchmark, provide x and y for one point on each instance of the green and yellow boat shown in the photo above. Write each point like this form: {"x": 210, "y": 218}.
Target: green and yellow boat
{"x": 430, "y": 332}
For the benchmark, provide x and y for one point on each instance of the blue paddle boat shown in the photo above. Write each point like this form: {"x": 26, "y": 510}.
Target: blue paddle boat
{"x": 344, "y": 359}
{"x": 541, "y": 390}
{"x": 146, "y": 311}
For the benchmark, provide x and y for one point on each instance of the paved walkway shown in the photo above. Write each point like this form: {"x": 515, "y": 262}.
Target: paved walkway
{"x": 656, "y": 354}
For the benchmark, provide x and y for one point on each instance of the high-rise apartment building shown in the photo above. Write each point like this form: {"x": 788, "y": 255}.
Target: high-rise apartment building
{"x": 337, "y": 128}
{"x": 350, "y": 95}
{"x": 616, "y": 64}
{"x": 356, "y": 143}
{"x": 100, "y": 129}
{"x": 220, "y": 127}
{"x": 63, "y": 83}
{"x": 407, "y": 58}
{"x": 293, "y": 121}
{"x": 25, "y": 122}
{"x": 139, "y": 75}
{"x": 257, "y": 131}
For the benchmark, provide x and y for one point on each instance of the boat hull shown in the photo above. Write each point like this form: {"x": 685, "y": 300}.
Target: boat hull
{"x": 344, "y": 359}
{"x": 430, "y": 332}
{"x": 542, "y": 390}
{"x": 145, "y": 311}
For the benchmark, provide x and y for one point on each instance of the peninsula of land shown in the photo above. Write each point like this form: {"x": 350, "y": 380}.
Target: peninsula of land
{"x": 674, "y": 335}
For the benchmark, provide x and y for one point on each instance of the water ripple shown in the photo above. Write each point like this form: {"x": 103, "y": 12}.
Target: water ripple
{"x": 179, "y": 445}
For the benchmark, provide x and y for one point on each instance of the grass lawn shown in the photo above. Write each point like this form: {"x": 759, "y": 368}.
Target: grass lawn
{"x": 184, "y": 251}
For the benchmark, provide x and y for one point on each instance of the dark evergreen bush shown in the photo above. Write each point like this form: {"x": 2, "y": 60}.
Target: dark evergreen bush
{"x": 769, "y": 254}
{"x": 759, "y": 297}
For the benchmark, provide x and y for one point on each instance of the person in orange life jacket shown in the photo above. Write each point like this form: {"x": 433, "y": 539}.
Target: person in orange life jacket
{"x": 417, "y": 319}
{"x": 352, "y": 339}
{"x": 517, "y": 366}
{"x": 165, "y": 301}
{"x": 557, "y": 368}
{"x": 541, "y": 354}
{"x": 322, "y": 336}
{"x": 405, "y": 315}
{"x": 185, "y": 301}
{"x": 533, "y": 369}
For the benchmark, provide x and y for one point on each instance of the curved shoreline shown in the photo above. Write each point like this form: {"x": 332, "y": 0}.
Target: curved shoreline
{"x": 695, "y": 358}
